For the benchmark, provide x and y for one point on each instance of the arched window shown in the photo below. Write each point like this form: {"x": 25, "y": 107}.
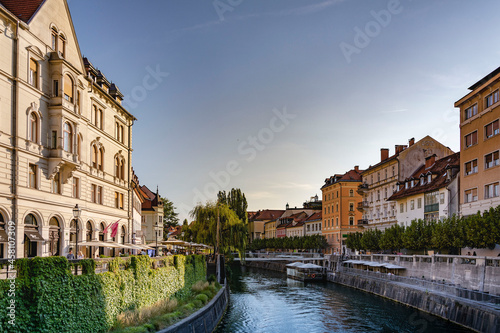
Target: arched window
{"x": 33, "y": 127}
{"x": 54, "y": 37}
{"x": 54, "y": 237}
{"x": 79, "y": 142}
{"x": 31, "y": 236}
{"x": 351, "y": 193}
{"x": 101, "y": 238}
{"x": 62, "y": 45}
{"x": 68, "y": 88}
{"x": 68, "y": 138}
{"x": 122, "y": 236}
{"x": 88, "y": 237}
{"x": 117, "y": 167}
{"x": 101, "y": 159}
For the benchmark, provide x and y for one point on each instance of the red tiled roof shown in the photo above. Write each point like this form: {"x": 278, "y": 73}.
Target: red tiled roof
{"x": 267, "y": 214}
{"x": 315, "y": 217}
{"x": 439, "y": 170}
{"x": 22, "y": 9}
{"x": 349, "y": 176}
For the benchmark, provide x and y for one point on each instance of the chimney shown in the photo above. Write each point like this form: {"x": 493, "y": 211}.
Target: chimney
{"x": 356, "y": 168}
{"x": 384, "y": 154}
{"x": 411, "y": 142}
{"x": 400, "y": 148}
{"x": 429, "y": 161}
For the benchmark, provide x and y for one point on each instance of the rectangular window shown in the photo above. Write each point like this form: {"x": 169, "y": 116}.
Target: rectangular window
{"x": 100, "y": 125}
{"x": 491, "y": 190}
{"x": 53, "y": 140}
{"x": 471, "y": 139}
{"x": 54, "y": 40}
{"x": 351, "y": 207}
{"x": 116, "y": 199}
{"x": 401, "y": 208}
{"x": 32, "y": 176}
{"x": 441, "y": 198}
{"x": 470, "y": 195}
{"x": 99, "y": 195}
{"x": 471, "y": 167}
{"x": 472, "y": 111}
{"x": 94, "y": 114}
{"x": 122, "y": 206}
{"x": 412, "y": 204}
{"x": 33, "y": 74}
{"x": 491, "y": 129}
{"x": 491, "y": 160}
{"x": 76, "y": 187}
{"x": 93, "y": 193}
{"x": 419, "y": 203}
{"x": 55, "y": 88}
{"x": 491, "y": 99}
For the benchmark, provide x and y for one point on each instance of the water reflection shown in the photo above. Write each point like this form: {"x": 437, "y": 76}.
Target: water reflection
{"x": 264, "y": 301}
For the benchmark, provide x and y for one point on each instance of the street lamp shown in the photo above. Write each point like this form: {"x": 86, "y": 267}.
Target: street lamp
{"x": 157, "y": 229}
{"x": 76, "y": 214}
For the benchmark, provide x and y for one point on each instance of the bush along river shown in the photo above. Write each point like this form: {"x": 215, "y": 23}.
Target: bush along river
{"x": 266, "y": 301}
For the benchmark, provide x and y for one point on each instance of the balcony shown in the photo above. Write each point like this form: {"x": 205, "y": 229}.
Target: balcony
{"x": 363, "y": 205}
{"x": 363, "y": 222}
{"x": 362, "y": 189}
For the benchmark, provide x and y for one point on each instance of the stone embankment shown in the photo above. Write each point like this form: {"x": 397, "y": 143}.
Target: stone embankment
{"x": 206, "y": 319}
{"x": 476, "y": 315}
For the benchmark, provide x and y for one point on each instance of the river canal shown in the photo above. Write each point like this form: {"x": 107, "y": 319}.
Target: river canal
{"x": 265, "y": 301}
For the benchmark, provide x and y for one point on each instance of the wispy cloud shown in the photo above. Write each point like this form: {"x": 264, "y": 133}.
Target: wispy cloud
{"x": 304, "y": 10}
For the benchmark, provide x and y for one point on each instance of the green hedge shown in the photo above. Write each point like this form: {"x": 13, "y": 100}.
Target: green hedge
{"x": 48, "y": 298}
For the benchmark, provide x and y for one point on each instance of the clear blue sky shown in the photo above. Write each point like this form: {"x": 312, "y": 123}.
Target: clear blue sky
{"x": 274, "y": 96}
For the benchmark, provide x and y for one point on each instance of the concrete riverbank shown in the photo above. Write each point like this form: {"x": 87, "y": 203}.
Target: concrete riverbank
{"x": 477, "y": 315}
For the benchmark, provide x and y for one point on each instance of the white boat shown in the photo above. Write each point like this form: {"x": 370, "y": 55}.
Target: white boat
{"x": 305, "y": 272}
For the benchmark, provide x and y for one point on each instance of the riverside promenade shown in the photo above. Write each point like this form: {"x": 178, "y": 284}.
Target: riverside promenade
{"x": 471, "y": 308}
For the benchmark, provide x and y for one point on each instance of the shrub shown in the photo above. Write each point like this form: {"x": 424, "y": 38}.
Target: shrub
{"x": 203, "y": 298}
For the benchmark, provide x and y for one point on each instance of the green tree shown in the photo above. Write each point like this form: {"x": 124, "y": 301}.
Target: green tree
{"x": 233, "y": 232}
{"x": 392, "y": 238}
{"x": 236, "y": 200}
{"x": 353, "y": 241}
{"x": 418, "y": 236}
{"x": 170, "y": 216}
{"x": 371, "y": 239}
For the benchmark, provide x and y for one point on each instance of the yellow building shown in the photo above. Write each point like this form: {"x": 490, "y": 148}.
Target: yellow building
{"x": 480, "y": 144}
{"x": 340, "y": 216}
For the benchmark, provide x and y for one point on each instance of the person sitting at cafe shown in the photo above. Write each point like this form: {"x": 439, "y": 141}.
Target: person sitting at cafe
{"x": 70, "y": 255}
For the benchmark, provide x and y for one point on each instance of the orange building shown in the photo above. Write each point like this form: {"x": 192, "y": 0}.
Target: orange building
{"x": 340, "y": 216}
{"x": 480, "y": 144}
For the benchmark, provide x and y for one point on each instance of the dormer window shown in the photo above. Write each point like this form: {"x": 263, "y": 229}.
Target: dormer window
{"x": 54, "y": 37}
{"x": 406, "y": 185}
{"x": 412, "y": 183}
{"x": 429, "y": 178}
{"x": 422, "y": 180}
{"x": 61, "y": 48}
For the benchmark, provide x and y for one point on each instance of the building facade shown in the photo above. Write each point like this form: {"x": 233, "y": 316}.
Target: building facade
{"x": 380, "y": 180}
{"x": 431, "y": 193}
{"x": 480, "y": 144}
{"x": 65, "y": 138}
{"x": 152, "y": 217}
{"x": 312, "y": 225}
{"x": 340, "y": 216}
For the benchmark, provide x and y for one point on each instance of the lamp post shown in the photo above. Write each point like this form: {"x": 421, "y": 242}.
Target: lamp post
{"x": 76, "y": 214}
{"x": 157, "y": 229}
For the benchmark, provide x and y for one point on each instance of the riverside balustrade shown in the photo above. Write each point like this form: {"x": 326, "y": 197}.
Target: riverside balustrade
{"x": 470, "y": 272}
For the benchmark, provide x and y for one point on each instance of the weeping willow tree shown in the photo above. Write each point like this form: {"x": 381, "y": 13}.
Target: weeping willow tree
{"x": 233, "y": 232}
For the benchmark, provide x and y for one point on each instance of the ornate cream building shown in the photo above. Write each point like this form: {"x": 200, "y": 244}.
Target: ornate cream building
{"x": 65, "y": 138}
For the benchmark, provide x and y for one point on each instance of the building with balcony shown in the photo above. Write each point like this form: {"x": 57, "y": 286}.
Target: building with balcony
{"x": 480, "y": 144}
{"x": 430, "y": 193}
{"x": 340, "y": 216}
{"x": 380, "y": 180}
{"x": 65, "y": 138}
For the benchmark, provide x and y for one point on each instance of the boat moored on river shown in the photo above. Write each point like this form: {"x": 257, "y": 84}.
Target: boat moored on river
{"x": 305, "y": 272}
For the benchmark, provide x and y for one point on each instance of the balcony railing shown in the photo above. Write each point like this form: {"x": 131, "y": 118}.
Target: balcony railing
{"x": 363, "y": 205}
{"x": 362, "y": 188}
{"x": 363, "y": 222}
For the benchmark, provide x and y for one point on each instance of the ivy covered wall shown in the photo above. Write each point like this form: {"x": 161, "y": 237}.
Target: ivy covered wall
{"x": 48, "y": 298}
